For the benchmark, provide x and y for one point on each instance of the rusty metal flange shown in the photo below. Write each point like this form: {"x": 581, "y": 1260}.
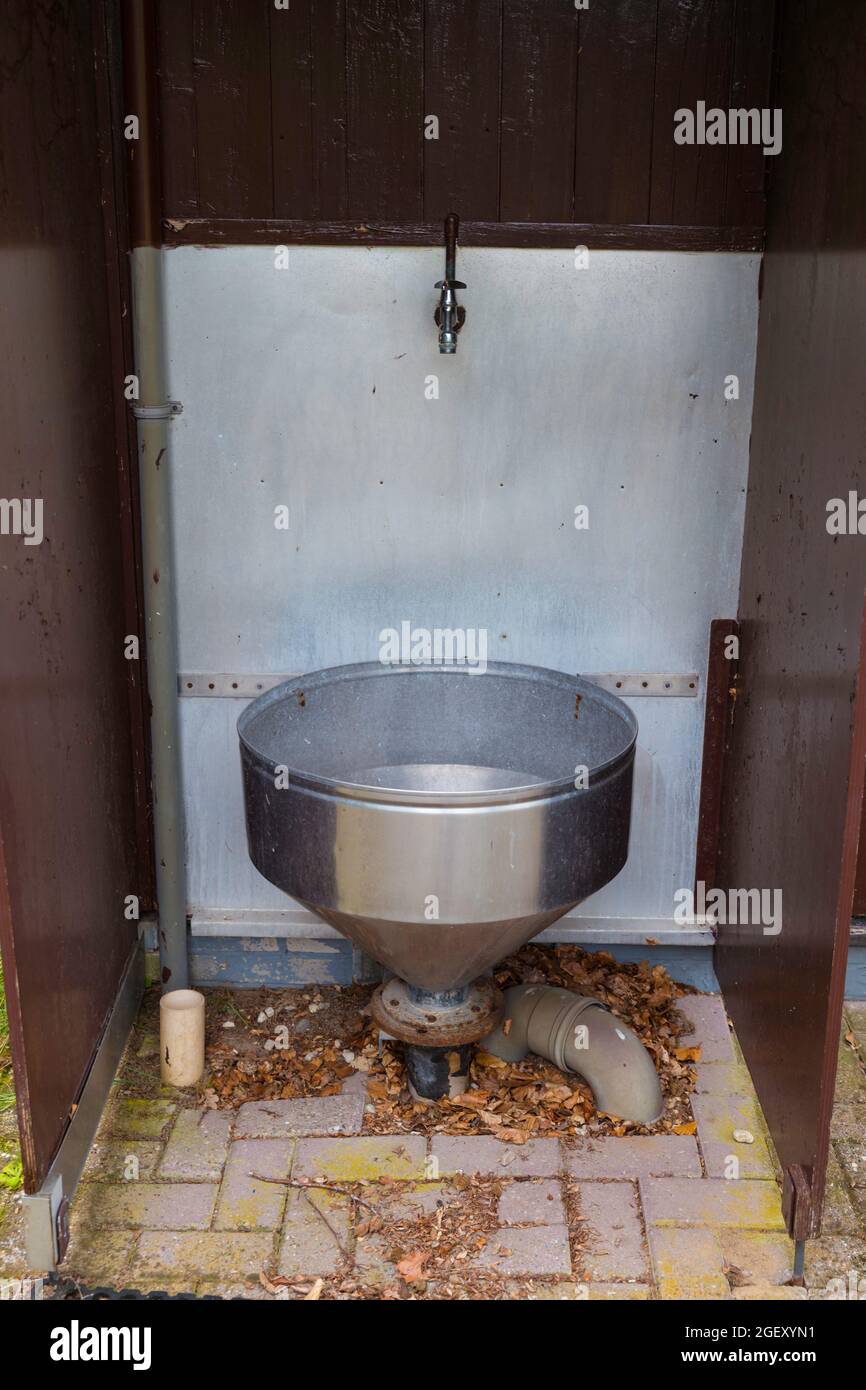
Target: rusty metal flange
{"x": 428, "y": 1026}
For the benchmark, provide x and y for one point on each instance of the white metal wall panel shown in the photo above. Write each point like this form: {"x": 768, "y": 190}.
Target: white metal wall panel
{"x": 308, "y": 387}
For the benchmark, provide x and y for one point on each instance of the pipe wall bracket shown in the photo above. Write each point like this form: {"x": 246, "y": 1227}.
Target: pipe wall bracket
{"x": 166, "y": 411}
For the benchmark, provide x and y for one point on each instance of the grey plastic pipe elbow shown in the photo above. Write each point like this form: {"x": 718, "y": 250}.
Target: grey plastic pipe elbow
{"x": 580, "y": 1035}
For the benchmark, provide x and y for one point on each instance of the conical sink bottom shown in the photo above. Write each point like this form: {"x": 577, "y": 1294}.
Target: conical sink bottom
{"x": 437, "y": 955}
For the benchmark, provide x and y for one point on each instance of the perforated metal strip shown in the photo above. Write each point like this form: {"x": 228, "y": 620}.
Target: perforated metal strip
{"x": 633, "y": 684}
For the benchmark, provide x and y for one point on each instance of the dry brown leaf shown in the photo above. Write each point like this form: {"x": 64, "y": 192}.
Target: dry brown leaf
{"x": 471, "y": 1100}
{"x": 412, "y": 1266}
{"x": 512, "y": 1136}
{"x": 274, "y": 1285}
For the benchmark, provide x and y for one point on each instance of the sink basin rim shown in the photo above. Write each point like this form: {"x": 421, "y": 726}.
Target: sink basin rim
{"x": 362, "y": 791}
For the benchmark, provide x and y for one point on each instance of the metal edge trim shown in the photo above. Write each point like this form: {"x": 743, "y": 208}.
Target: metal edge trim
{"x": 40, "y": 1208}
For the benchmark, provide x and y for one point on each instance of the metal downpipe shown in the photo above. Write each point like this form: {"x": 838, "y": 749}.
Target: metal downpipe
{"x": 153, "y": 415}
{"x": 580, "y": 1035}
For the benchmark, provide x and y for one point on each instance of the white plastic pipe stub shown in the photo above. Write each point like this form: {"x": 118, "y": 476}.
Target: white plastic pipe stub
{"x": 181, "y": 1037}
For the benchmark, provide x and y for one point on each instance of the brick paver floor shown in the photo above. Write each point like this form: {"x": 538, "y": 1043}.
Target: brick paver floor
{"x": 178, "y": 1199}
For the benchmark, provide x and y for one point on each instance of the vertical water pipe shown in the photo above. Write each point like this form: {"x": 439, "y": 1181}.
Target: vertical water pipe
{"x": 153, "y": 413}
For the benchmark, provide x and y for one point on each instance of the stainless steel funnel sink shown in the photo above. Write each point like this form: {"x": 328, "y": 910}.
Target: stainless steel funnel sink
{"x": 430, "y": 813}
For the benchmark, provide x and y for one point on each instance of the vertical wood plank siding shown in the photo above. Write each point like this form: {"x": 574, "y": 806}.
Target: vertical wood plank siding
{"x": 547, "y": 115}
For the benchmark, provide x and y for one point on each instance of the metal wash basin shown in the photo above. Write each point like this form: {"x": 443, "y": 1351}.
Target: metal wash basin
{"x": 430, "y": 813}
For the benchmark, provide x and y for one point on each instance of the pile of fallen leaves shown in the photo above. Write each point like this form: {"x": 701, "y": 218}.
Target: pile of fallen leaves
{"x": 312, "y": 1044}
{"x": 288, "y": 1045}
{"x": 516, "y": 1101}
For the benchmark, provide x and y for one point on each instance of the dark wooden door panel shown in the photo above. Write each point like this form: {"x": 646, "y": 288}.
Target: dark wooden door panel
{"x": 794, "y": 774}
{"x": 67, "y": 777}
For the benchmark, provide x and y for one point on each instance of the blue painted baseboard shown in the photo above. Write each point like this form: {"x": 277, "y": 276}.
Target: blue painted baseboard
{"x": 269, "y": 962}
{"x": 279, "y": 963}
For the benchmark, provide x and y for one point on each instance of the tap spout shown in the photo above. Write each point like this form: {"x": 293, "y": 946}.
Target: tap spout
{"x": 450, "y": 316}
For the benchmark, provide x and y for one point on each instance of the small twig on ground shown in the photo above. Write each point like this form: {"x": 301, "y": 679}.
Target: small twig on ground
{"x": 320, "y": 1186}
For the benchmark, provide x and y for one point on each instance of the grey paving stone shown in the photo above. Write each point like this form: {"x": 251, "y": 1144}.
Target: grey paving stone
{"x": 135, "y": 1118}
{"x": 515, "y": 1250}
{"x": 355, "y": 1085}
{"x": 372, "y": 1262}
{"x": 411, "y": 1200}
{"x": 746, "y": 1204}
{"x": 711, "y": 1031}
{"x": 122, "y": 1160}
{"x": 147, "y": 1206}
{"x": 610, "y": 1293}
{"x": 247, "y": 1289}
{"x": 362, "y": 1158}
{"x": 612, "y": 1242}
{"x": 718, "y": 1116}
{"x": 226, "y": 1255}
{"x": 633, "y": 1156}
{"x": 197, "y": 1146}
{"x": 761, "y": 1258}
{"x": 538, "y": 1158}
{"x": 98, "y": 1257}
{"x": 279, "y": 1119}
{"x": 245, "y": 1202}
{"x": 769, "y": 1293}
{"x": 688, "y": 1264}
{"x": 535, "y": 1202}
{"x": 316, "y": 1236}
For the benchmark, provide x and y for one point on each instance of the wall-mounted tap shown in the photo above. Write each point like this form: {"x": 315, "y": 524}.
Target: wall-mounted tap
{"x": 450, "y": 316}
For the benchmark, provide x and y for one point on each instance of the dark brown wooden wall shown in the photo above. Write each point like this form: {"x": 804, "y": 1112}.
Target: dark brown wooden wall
{"x": 548, "y": 115}
{"x": 70, "y": 752}
{"x": 795, "y": 765}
